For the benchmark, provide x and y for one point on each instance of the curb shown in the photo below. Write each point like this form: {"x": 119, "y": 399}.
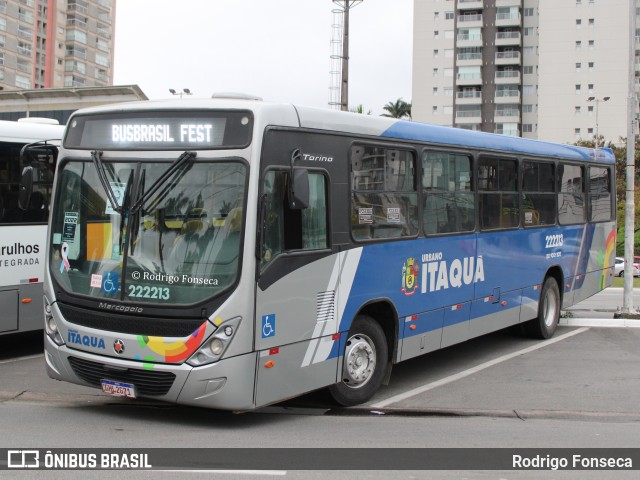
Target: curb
{"x": 600, "y": 322}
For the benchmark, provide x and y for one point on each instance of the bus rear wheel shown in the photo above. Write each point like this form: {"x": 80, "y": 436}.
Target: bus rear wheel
{"x": 365, "y": 359}
{"x": 546, "y": 323}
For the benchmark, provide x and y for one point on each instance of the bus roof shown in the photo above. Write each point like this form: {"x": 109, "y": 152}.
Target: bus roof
{"x": 28, "y": 132}
{"x": 347, "y": 122}
{"x": 435, "y": 134}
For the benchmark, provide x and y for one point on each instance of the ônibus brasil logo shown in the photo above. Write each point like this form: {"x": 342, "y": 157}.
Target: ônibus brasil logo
{"x": 410, "y": 271}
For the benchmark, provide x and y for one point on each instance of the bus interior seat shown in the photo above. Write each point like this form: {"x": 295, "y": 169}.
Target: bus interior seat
{"x": 229, "y": 249}
{"x": 37, "y": 211}
{"x": 489, "y": 211}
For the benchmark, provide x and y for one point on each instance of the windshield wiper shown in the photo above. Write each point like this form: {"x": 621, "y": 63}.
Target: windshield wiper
{"x": 134, "y": 216}
{"x": 96, "y": 156}
{"x": 179, "y": 163}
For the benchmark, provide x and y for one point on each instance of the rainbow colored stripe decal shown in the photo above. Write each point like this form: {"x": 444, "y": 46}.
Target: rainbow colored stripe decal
{"x": 608, "y": 253}
{"x": 173, "y": 352}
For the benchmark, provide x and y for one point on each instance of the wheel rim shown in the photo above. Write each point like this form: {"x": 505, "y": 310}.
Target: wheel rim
{"x": 359, "y": 361}
{"x": 550, "y": 308}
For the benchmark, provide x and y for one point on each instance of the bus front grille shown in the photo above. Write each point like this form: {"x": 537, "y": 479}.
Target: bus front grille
{"x": 132, "y": 324}
{"x": 146, "y": 382}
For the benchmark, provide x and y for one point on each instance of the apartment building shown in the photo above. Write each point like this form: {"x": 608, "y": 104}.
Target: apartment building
{"x": 56, "y": 43}
{"x": 546, "y": 69}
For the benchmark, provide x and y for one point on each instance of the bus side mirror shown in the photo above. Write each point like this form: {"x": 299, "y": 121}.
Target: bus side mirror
{"x": 38, "y": 155}
{"x": 299, "y": 189}
{"x": 298, "y": 185}
{"x": 26, "y": 188}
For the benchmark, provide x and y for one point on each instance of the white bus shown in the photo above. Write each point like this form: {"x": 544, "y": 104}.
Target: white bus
{"x": 233, "y": 253}
{"x": 23, "y": 232}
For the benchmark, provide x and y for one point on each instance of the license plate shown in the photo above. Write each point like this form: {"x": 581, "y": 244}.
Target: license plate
{"x": 118, "y": 389}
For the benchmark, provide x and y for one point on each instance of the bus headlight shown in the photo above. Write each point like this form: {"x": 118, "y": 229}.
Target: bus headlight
{"x": 217, "y": 344}
{"x": 50, "y": 325}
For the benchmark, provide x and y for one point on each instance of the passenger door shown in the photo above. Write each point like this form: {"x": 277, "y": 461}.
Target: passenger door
{"x": 296, "y": 296}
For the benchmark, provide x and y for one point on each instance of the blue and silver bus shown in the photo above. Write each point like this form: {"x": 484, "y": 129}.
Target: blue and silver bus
{"x": 23, "y": 232}
{"x": 232, "y": 253}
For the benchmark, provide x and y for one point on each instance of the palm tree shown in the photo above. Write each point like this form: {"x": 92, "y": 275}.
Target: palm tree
{"x": 397, "y": 109}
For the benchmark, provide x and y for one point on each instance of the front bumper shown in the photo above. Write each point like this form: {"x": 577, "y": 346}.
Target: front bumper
{"x": 227, "y": 384}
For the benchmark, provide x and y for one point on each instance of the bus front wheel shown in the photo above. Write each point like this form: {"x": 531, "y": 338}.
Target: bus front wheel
{"x": 546, "y": 323}
{"x": 364, "y": 362}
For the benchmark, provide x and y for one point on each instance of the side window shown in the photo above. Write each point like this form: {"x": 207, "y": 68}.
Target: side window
{"x": 571, "y": 194}
{"x": 285, "y": 229}
{"x": 384, "y": 200}
{"x": 600, "y": 198}
{"x": 9, "y": 180}
{"x": 497, "y": 185}
{"x": 448, "y": 197}
{"x": 538, "y": 196}
{"x": 10, "y": 173}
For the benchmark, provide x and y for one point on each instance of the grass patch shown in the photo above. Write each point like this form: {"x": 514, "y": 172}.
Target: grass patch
{"x": 619, "y": 282}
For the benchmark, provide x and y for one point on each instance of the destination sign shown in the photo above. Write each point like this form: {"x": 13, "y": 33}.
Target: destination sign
{"x": 164, "y": 130}
{"x": 155, "y": 133}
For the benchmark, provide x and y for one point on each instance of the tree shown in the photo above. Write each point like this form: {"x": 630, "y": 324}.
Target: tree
{"x": 621, "y": 194}
{"x": 397, "y": 109}
{"x": 620, "y": 152}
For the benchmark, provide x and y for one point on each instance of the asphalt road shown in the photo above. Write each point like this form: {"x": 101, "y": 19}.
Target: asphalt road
{"x": 577, "y": 390}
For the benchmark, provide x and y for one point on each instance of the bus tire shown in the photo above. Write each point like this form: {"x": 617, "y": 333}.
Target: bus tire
{"x": 364, "y": 362}
{"x": 546, "y": 323}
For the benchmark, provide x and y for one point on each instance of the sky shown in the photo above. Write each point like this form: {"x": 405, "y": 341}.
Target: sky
{"x": 276, "y": 49}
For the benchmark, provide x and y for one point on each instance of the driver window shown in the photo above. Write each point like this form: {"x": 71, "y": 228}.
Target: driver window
{"x": 285, "y": 229}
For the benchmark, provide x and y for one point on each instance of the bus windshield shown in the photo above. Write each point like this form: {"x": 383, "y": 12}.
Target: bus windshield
{"x": 172, "y": 236}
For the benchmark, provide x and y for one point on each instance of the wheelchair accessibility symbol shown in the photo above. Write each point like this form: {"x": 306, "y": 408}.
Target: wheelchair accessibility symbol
{"x": 110, "y": 283}
{"x": 268, "y": 325}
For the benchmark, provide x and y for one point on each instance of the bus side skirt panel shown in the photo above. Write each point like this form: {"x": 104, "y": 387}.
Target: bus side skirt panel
{"x": 491, "y": 315}
{"x": 9, "y": 308}
{"x": 420, "y": 334}
{"x": 289, "y": 371}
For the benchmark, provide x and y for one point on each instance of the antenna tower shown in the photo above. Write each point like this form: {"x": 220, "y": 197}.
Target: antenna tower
{"x": 339, "y": 72}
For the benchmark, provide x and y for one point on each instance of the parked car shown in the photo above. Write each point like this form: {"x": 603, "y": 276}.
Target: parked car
{"x": 619, "y": 267}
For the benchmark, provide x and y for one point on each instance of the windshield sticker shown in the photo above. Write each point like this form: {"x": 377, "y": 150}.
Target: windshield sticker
{"x": 64, "y": 252}
{"x": 393, "y": 215}
{"x": 118, "y": 192}
{"x": 365, "y": 216}
{"x": 110, "y": 284}
{"x": 96, "y": 280}
{"x": 69, "y": 228}
{"x": 71, "y": 235}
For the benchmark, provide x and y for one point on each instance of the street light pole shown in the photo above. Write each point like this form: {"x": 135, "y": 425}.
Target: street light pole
{"x": 630, "y": 170}
{"x": 597, "y": 100}
{"x": 184, "y": 91}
